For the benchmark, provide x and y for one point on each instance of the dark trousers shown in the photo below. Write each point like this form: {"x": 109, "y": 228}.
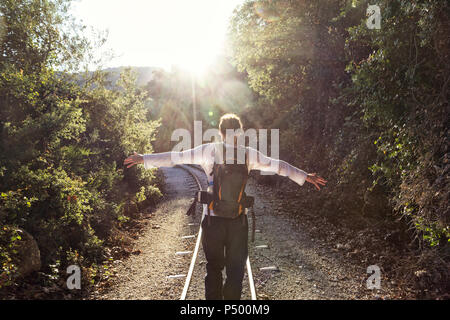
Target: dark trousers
{"x": 225, "y": 243}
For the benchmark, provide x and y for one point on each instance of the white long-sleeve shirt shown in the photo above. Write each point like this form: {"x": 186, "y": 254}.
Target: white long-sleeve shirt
{"x": 205, "y": 155}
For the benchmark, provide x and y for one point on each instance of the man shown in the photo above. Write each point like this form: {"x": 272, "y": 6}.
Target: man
{"x": 225, "y": 226}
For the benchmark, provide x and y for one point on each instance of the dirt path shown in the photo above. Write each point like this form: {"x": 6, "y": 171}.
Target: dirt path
{"x": 308, "y": 268}
{"x": 144, "y": 275}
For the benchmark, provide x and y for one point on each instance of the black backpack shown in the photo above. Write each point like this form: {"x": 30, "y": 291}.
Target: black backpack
{"x": 228, "y": 198}
{"x": 230, "y": 178}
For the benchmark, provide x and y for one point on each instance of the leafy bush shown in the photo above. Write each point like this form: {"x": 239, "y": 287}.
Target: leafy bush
{"x": 366, "y": 108}
{"x": 63, "y": 143}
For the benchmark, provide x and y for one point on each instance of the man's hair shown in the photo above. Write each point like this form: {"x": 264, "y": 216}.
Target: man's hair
{"x": 229, "y": 121}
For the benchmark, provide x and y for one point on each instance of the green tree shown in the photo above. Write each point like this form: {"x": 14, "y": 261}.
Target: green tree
{"x": 365, "y": 107}
{"x": 62, "y": 142}
{"x": 401, "y": 88}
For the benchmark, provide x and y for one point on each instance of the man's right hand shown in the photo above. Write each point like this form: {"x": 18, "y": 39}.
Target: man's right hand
{"x": 133, "y": 159}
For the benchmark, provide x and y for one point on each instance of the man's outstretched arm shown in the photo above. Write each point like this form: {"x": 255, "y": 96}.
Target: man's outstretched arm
{"x": 258, "y": 161}
{"x": 166, "y": 159}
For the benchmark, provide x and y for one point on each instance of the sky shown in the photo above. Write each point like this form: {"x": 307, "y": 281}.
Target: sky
{"x": 160, "y": 33}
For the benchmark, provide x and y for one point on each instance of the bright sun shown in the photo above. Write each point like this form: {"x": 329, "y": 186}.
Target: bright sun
{"x": 195, "y": 60}
{"x": 161, "y": 33}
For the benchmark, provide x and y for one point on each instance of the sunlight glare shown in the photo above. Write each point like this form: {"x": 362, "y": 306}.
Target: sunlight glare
{"x": 195, "y": 61}
{"x": 161, "y": 33}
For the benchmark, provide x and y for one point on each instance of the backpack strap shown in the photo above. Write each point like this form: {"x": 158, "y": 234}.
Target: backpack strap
{"x": 251, "y": 208}
{"x": 244, "y": 183}
{"x": 209, "y": 207}
{"x": 253, "y": 224}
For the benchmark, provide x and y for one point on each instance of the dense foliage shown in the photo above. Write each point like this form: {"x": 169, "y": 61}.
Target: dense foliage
{"x": 62, "y": 144}
{"x": 367, "y": 108}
